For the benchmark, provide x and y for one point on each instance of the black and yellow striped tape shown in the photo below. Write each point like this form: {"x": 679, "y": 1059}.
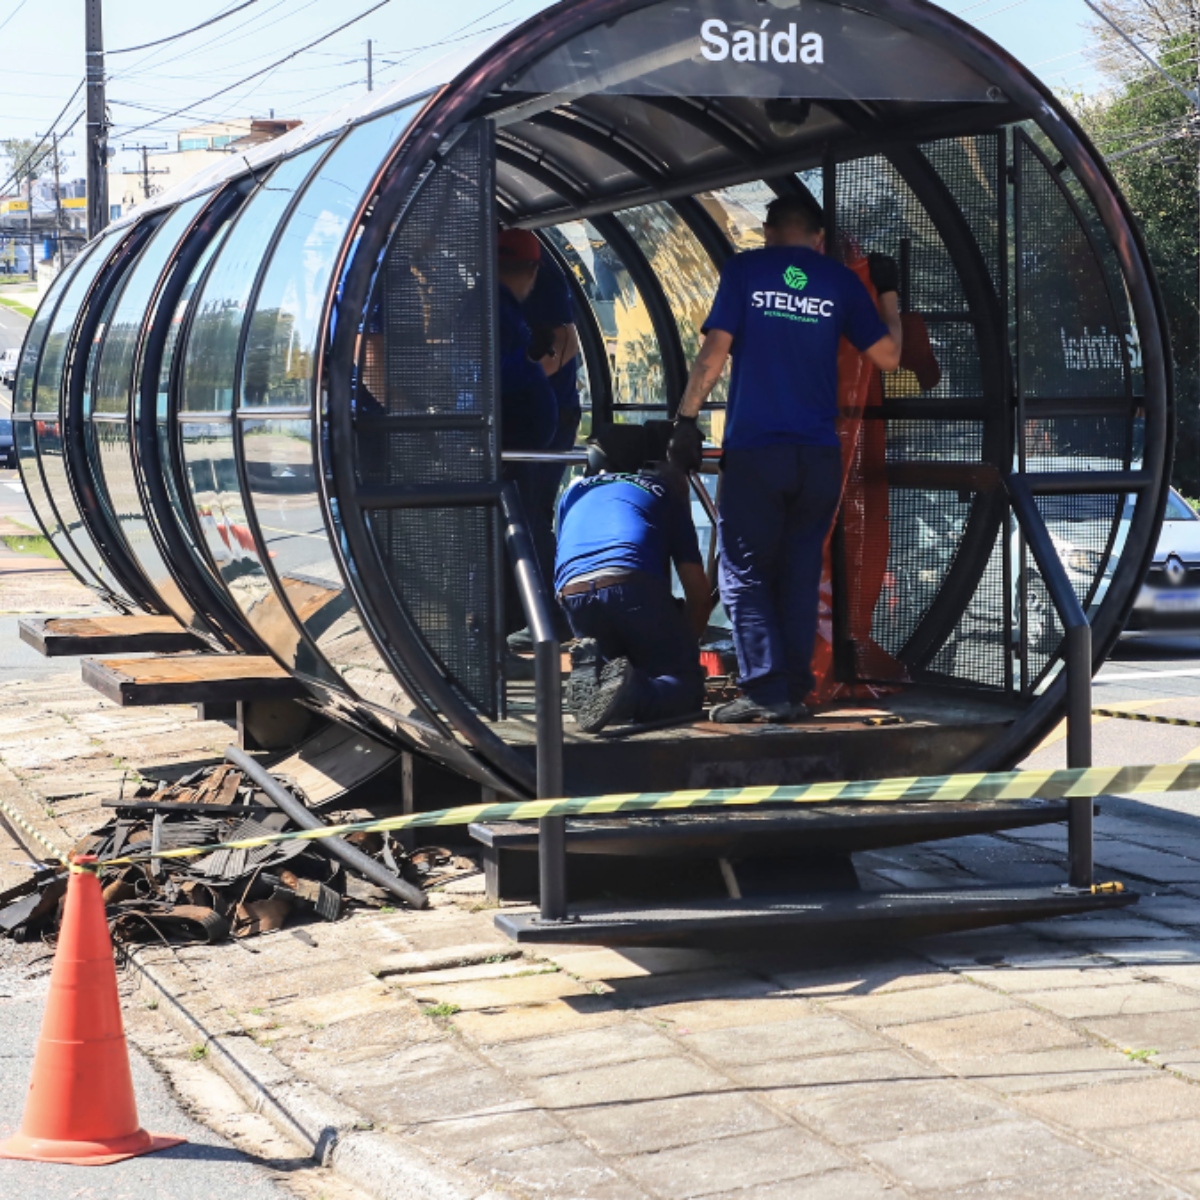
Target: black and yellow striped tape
{"x": 985, "y": 788}
{"x": 1149, "y": 718}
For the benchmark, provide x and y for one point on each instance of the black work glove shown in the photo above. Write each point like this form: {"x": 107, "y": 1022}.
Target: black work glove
{"x": 541, "y": 343}
{"x": 685, "y": 450}
{"x": 885, "y": 274}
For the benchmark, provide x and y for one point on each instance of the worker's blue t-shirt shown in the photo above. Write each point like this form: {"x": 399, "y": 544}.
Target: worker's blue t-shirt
{"x": 787, "y": 307}
{"x": 622, "y": 523}
{"x": 528, "y": 406}
{"x": 549, "y": 305}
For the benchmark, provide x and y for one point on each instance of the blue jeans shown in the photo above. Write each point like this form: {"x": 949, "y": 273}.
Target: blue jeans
{"x": 640, "y": 620}
{"x": 777, "y": 505}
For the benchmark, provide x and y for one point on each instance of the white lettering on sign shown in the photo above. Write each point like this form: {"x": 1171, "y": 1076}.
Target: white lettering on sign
{"x": 761, "y": 45}
{"x": 1101, "y": 351}
{"x": 789, "y": 304}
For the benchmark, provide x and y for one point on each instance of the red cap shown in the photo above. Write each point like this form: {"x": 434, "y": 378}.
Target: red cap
{"x": 518, "y": 245}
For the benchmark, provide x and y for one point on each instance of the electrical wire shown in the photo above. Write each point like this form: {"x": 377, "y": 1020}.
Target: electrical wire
{"x": 20, "y": 5}
{"x": 33, "y": 153}
{"x": 287, "y": 57}
{"x": 176, "y": 36}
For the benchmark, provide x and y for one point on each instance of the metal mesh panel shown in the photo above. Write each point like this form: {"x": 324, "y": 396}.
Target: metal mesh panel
{"x": 428, "y": 353}
{"x": 977, "y": 651}
{"x": 919, "y": 532}
{"x": 1071, "y": 333}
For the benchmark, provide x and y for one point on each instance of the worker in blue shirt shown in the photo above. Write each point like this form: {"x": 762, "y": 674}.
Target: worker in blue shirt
{"x": 528, "y": 406}
{"x": 619, "y": 530}
{"x": 781, "y": 312}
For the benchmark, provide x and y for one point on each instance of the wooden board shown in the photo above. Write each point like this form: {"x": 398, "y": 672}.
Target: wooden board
{"x": 65, "y": 637}
{"x": 333, "y": 762}
{"x": 190, "y": 679}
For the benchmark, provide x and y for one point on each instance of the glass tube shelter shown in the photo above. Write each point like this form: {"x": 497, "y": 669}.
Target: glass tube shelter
{"x": 266, "y": 403}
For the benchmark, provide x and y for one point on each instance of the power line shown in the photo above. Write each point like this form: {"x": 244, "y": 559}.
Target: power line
{"x": 20, "y": 5}
{"x": 33, "y": 153}
{"x": 176, "y": 36}
{"x": 324, "y": 37}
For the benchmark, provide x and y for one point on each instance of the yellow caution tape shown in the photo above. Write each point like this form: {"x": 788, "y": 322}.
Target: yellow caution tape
{"x": 1062, "y": 784}
{"x": 1149, "y": 718}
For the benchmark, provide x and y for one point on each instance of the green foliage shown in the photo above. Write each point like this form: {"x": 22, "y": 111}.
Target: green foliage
{"x": 1160, "y": 183}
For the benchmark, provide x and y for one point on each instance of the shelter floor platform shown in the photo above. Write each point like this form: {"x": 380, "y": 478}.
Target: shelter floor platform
{"x": 190, "y": 679}
{"x": 917, "y": 731}
{"x": 66, "y": 637}
{"x": 817, "y": 920}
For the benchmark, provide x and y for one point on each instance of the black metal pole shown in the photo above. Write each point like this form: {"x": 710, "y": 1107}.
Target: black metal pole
{"x": 552, "y": 831}
{"x": 354, "y": 858}
{"x": 1077, "y": 664}
{"x": 97, "y": 124}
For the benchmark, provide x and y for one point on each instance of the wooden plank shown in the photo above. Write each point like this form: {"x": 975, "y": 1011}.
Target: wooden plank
{"x": 333, "y": 762}
{"x": 190, "y": 679}
{"x": 65, "y": 637}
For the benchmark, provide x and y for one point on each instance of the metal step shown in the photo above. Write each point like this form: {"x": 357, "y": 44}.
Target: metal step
{"x": 510, "y": 848}
{"x": 811, "y": 920}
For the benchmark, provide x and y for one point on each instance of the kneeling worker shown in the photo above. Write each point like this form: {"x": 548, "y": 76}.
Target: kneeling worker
{"x": 637, "y": 659}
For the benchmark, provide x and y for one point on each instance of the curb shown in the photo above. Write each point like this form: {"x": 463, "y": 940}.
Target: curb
{"x": 331, "y": 1133}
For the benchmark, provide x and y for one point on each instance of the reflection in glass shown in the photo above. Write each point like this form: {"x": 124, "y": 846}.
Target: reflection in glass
{"x": 47, "y": 398}
{"x": 279, "y": 454}
{"x": 23, "y": 429}
{"x": 210, "y": 366}
{"x": 108, "y": 441}
{"x": 634, "y": 357}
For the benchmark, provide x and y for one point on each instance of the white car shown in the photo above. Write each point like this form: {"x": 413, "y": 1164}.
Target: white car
{"x": 8, "y": 367}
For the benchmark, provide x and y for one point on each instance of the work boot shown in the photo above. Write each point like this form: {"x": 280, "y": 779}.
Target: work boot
{"x": 518, "y": 669}
{"x": 585, "y": 673}
{"x": 611, "y": 701}
{"x": 743, "y": 711}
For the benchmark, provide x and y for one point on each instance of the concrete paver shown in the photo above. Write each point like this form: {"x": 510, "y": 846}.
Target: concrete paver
{"x": 984, "y": 1064}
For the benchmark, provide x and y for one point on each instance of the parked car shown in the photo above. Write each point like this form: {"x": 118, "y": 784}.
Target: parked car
{"x": 1169, "y": 599}
{"x": 8, "y": 367}
{"x": 8, "y": 447}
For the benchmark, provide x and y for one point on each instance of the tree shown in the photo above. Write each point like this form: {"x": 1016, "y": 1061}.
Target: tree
{"x": 27, "y": 159}
{"x": 1159, "y": 180}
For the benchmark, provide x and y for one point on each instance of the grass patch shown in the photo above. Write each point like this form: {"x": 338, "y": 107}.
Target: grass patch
{"x": 17, "y": 306}
{"x": 1140, "y": 1055}
{"x": 198, "y": 1052}
{"x": 440, "y": 1010}
{"x": 34, "y": 543}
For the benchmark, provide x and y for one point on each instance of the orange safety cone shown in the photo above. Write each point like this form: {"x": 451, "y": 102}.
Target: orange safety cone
{"x": 81, "y": 1107}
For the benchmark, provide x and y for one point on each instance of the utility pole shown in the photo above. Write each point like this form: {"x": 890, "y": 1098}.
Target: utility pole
{"x": 146, "y": 170}
{"x": 29, "y": 224}
{"x": 370, "y": 68}
{"x": 97, "y": 123}
{"x": 58, "y": 221}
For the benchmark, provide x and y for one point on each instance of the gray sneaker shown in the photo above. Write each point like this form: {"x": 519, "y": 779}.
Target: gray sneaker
{"x": 585, "y": 673}
{"x": 611, "y": 701}
{"x": 743, "y": 711}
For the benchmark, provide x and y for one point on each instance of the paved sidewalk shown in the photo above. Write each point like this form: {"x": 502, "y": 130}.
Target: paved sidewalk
{"x": 1055, "y": 1060}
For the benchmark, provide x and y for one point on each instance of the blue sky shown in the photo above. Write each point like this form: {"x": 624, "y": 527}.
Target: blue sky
{"x": 42, "y": 59}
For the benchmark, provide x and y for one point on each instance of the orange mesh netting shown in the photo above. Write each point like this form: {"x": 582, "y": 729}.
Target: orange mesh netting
{"x": 864, "y": 513}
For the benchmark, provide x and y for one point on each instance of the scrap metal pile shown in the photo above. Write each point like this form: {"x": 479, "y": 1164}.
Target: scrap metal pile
{"x": 226, "y": 892}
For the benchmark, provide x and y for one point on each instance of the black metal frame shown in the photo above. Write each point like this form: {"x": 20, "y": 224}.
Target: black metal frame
{"x": 108, "y": 538}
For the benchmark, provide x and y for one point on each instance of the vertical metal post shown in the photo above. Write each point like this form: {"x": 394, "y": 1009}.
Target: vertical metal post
{"x": 370, "y": 67}
{"x": 1079, "y": 750}
{"x": 29, "y": 225}
{"x": 407, "y": 837}
{"x": 552, "y": 831}
{"x": 97, "y": 123}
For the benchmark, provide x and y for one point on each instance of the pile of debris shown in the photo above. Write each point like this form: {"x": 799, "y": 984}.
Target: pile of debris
{"x": 227, "y": 892}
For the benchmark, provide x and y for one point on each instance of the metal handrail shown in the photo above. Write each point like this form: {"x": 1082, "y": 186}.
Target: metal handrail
{"x": 552, "y": 831}
{"x": 1077, "y": 663}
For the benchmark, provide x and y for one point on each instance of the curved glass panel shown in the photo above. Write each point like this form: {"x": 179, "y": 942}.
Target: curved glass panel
{"x": 279, "y": 454}
{"x": 108, "y": 416}
{"x": 47, "y": 404}
{"x": 168, "y": 455}
{"x": 23, "y": 426}
{"x": 210, "y": 372}
{"x": 689, "y": 279}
